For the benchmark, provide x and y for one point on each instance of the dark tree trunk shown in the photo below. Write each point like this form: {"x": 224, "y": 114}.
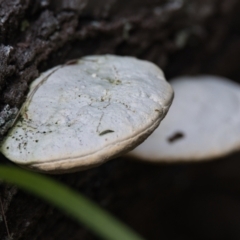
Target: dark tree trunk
{"x": 182, "y": 37}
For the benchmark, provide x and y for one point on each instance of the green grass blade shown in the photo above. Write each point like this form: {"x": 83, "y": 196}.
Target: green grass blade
{"x": 76, "y": 205}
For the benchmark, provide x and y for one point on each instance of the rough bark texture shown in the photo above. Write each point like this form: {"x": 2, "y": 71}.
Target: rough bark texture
{"x": 182, "y": 37}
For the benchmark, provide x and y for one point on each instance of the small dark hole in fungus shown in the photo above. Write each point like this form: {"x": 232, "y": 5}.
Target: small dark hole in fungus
{"x": 176, "y": 136}
{"x": 70, "y": 62}
{"x": 105, "y": 132}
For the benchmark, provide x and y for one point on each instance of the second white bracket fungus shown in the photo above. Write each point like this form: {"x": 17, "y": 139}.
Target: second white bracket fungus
{"x": 202, "y": 123}
{"x": 84, "y": 113}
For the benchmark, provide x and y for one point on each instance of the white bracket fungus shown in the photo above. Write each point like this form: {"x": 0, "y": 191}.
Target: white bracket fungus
{"x": 81, "y": 114}
{"x": 202, "y": 123}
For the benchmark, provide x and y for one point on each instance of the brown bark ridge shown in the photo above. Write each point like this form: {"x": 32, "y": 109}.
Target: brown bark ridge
{"x": 182, "y": 37}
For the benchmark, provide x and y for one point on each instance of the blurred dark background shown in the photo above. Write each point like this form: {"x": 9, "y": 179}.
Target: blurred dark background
{"x": 182, "y": 201}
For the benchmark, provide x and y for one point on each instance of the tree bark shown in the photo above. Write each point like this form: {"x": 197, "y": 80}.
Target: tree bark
{"x": 180, "y": 36}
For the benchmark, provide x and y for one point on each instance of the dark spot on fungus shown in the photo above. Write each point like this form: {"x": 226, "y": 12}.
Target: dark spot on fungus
{"x": 105, "y": 132}
{"x": 176, "y": 136}
{"x": 71, "y": 62}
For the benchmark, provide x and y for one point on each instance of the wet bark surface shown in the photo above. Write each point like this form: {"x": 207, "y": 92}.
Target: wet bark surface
{"x": 182, "y": 37}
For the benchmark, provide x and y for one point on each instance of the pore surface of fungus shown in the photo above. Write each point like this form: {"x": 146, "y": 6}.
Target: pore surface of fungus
{"x": 203, "y": 122}
{"x": 81, "y": 114}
